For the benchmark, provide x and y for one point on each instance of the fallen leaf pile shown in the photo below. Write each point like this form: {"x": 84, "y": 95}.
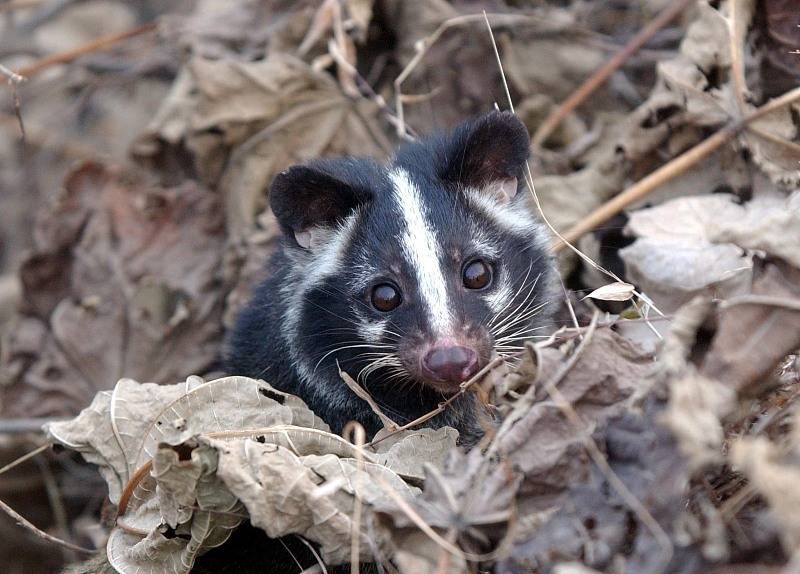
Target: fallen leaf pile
{"x": 656, "y": 430}
{"x": 216, "y": 453}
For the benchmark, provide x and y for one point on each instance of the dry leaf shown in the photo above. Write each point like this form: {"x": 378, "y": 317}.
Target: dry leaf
{"x": 675, "y": 257}
{"x": 774, "y": 472}
{"x": 593, "y": 523}
{"x": 246, "y": 121}
{"x": 696, "y": 407}
{"x": 770, "y": 224}
{"x": 547, "y": 447}
{"x": 617, "y": 291}
{"x": 752, "y": 339}
{"x": 231, "y": 449}
{"x": 696, "y": 89}
{"x": 98, "y": 268}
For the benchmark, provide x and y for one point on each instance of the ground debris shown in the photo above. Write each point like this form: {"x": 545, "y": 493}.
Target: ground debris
{"x": 97, "y": 267}
{"x": 198, "y": 458}
{"x": 662, "y": 437}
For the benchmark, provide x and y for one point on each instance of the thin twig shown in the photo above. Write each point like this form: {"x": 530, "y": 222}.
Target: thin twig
{"x": 737, "y": 501}
{"x": 567, "y": 300}
{"x": 291, "y": 554}
{"x": 425, "y": 44}
{"x": 56, "y": 501}
{"x": 528, "y": 176}
{"x": 427, "y": 529}
{"x": 93, "y": 46}
{"x": 464, "y": 388}
{"x": 22, "y": 521}
{"x": 39, "y": 136}
{"x": 388, "y": 423}
{"x": 556, "y": 116}
{"x": 22, "y": 426}
{"x": 736, "y": 49}
{"x": 669, "y": 171}
{"x": 766, "y": 300}
{"x": 524, "y": 403}
{"x": 24, "y": 457}
{"x": 14, "y": 80}
{"x": 354, "y": 432}
{"x": 366, "y": 89}
{"x": 445, "y": 557}
{"x": 313, "y": 551}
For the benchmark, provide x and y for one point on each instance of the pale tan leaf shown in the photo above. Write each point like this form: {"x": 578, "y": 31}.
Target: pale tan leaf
{"x": 617, "y": 291}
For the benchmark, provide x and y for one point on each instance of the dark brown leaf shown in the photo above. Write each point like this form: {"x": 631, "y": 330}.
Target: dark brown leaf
{"x": 139, "y": 292}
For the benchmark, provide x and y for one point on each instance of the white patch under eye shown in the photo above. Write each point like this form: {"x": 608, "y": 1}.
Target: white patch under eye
{"x": 422, "y": 251}
{"x": 499, "y": 297}
{"x": 371, "y": 331}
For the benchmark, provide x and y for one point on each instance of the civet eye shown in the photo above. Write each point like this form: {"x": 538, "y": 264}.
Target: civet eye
{"x": 477, "y": 274}
{"x": 385, "y": 297}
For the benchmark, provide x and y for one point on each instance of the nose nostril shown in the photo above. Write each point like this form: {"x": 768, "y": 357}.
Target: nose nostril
{"x": 451, "y": 363}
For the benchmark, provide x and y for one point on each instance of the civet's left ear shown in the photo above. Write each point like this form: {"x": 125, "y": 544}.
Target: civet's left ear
{"x": 488, "y": 154}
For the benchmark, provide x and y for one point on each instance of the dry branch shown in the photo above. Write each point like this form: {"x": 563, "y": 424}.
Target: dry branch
{"x": 95, "y": 45}
{"x": 22, "y": 521}
{"x": 670, "y": 171}
{"x": 597, "y": 79}
{"x": 465, "y": 388}
{"x": 387, "y": 421}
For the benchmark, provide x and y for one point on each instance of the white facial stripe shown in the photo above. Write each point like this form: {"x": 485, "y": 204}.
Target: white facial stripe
{"x": 311, "y": 268}
{"x": 512, "y": 217}
{"x": 422, "y": 251}
{"x": 484, "y": 246}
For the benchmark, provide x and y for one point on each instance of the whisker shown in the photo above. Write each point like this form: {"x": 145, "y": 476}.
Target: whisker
{"x": 511, "y": 300}
{"x": 342, "y": 348}
{"x": 524, "y": 305}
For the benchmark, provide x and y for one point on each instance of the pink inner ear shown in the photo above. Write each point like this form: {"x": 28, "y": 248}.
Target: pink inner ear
{"x": 506, "y": 189}
{"x": 303, "y": 238}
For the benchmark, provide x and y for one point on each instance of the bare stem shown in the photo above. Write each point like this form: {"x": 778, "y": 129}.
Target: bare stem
{"x": 22, "y": 521}
{"x": 465, "y": 387}
{"x": 93, "y": 46}
{"x": 597, "y": 79}
{"x": 669, "y": 171}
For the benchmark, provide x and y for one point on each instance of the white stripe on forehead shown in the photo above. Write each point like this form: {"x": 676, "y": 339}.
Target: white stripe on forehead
{"x": 422, "y": 251}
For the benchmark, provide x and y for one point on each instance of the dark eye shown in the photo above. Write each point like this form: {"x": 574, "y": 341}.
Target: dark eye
{"x": 385, "y": 297}
{"x": 477, "y": 274}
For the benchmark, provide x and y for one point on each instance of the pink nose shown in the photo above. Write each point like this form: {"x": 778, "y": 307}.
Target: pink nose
{"x": 451, "y": 363}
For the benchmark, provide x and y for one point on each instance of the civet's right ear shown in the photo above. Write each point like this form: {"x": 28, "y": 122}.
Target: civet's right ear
{"x": 306, "y": 200}
{"x": 488, "y": 155}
